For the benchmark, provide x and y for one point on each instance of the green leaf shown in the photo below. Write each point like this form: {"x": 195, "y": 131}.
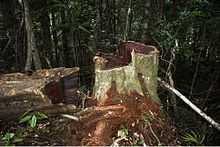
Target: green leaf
{"x": 23, "y": 115}
{"x": 194, "y": 137}
{"x": 33, "y": 122}
{"x": 8, "y": 136}
{"x": 17, "y": 140}
{"x": 41, "y": 116}
{"x": 25, "y": 119}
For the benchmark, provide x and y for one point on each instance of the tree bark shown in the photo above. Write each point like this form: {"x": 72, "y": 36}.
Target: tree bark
{"x": 43, "y": 87}
{"x": 126, "y": 90}
{"x": 48, "y": 51}
{"x": 32, "y": 52}
{"x": 56, "y": 58}
{"x": 140, "y": 75}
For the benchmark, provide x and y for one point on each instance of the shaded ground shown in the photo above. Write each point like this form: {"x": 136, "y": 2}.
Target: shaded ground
{"x": 133, "y": 121}
{"x": 112, "y": 124}
{"x": 122, "y": 120}
{"x": 62, "y": 131}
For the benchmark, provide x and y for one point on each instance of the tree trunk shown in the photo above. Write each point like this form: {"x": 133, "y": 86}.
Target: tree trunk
{"x": 139, "y": 75}
{"x": 32, "y": 52}
{"x": 126, "y": 91}
{"x": 56, "y": 58}
{"x": 48, "y": 51}
{"x": 97, "y": 28}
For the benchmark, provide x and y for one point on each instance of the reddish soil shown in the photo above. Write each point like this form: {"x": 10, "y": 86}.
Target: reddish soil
{"x": 139, "y": 114}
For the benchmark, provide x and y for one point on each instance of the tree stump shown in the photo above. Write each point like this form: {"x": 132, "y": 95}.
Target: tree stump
{"x": 126, "y": 91}
{"x": 134, "y": 69}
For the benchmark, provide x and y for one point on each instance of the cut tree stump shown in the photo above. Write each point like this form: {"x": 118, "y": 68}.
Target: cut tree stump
{"x": 126, "y": 92}
{"x": 133, "y": 70}
{"x": 20, "y": 92}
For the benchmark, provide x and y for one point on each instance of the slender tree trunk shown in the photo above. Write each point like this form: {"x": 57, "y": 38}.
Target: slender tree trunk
{"x": 47, "y": 41}
{"x": 98, "y": 25}
{"x": 32, "y": 52}
{"x": 55, "y": 41}
{"x": 72, "y": 56}
{"x": 7, "y": 31}
{"x": 146, "y": 22}
{"x": 64, "y": 41}
{"x": 127, "y": 24}
{"x": 68, "y": 42}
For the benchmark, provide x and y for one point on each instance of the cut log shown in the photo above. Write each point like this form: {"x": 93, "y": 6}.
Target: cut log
{"x": 134, "y": 73}
{"x": 43, "y": 87}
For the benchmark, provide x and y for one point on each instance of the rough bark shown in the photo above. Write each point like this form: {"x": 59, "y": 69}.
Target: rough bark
{"x": 140, "y": 75}
{"x": 126, "y": 92}
{"x": 44, "y": 87}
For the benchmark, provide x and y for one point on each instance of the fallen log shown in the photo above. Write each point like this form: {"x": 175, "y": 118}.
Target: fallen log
{"x": 20, "y": 92}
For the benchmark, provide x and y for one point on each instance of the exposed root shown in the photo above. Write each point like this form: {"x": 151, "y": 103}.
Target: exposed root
{"x": 99, "y": 124}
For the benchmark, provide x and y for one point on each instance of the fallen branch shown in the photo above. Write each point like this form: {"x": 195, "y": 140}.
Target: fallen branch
{"x": 188, "y": 102}
{"x": 52, "y": 109}
{"x": 152, "y": 131}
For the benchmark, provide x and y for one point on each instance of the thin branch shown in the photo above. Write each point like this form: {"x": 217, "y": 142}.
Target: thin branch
{"x": 152, "y": 131}
{"x": 8, "y": 43}
{"x": 127, "y": 21}
{"x": 170, "y": 77}
{"x": 195, "y": 74}
{"x": 188, "y": 102}
{"x": 212, "y": 85}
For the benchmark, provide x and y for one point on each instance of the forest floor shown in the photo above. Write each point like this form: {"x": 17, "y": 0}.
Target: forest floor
{"x": 104, "y": 125}
{"x": 62, "y": 131}
{"x": 148, "y": 129}
{"x": 136, "y": 121}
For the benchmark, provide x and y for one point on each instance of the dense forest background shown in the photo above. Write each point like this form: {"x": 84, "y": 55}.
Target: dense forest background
{"x": 37, "y": 34}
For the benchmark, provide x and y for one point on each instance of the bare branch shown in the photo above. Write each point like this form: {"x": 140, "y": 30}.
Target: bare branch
{"x": 188, "y": 102}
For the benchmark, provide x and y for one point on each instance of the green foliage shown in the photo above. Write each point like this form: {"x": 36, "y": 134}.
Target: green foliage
{"x": 76, "y": 17}
{"x": 189, "y": 29}
{"x": 32, "y": 118}
{"x": 123, "y": 131}
{"x": 10, "y": 139}
{"x": 194, "y": 138}
{"x": 133, "y": 138}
